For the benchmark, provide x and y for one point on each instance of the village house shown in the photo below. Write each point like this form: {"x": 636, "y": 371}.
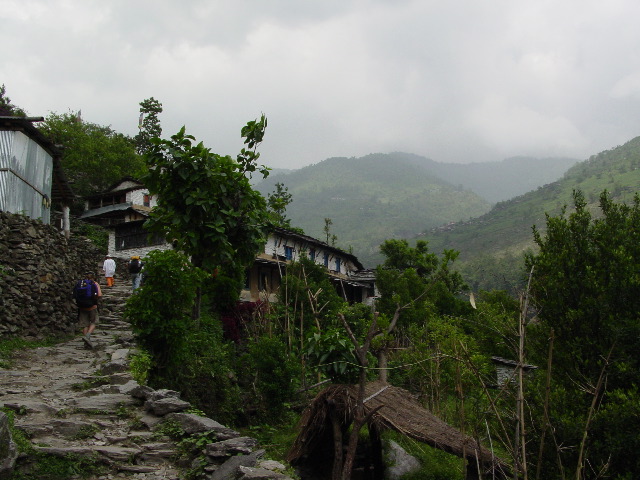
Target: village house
{"x": 31, "y": 176}
{"x": 125, "y": 206}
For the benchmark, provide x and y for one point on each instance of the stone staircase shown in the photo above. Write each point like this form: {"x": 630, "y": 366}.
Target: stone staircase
{"x": 75, "y": 402}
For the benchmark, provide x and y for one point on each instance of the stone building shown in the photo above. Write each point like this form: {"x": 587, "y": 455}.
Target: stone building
{"x": 124, "y": 207}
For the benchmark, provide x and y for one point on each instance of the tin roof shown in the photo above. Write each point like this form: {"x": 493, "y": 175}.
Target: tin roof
{"x": 60, "y": 188}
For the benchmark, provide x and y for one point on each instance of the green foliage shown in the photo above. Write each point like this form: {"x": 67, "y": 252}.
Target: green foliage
{"x": 149, "y": 126}
{"x": 491, "y": 245}
{"x": 94, "y": 156}
{"x": 140, "y": 365}
{"x": 435, "y": 464}
{"x": 307, "y": 293}
{"x": 6, "y": 107}
{"x": 587, "y": 284}
{"x": 160, "y": 311}
{"x": 416, "y": 281}
{"x": 277, "y": 202}
{"x": 202, "y": 368}
{"x": 19, "y": 437}
{"x": 99, "y": 236}
{"x": 50, "y": 467}
{"x": 331, "y": 352}
{"x": 272, "y": 379}
{"x": 205, "y": 201}
{"x": 8, "y": 345}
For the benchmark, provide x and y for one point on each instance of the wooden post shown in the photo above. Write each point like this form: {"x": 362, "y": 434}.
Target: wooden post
{"x": 66, "y": 223}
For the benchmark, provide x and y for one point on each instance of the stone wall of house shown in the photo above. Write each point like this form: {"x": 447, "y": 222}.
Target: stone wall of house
{"x": 38, "y": 268}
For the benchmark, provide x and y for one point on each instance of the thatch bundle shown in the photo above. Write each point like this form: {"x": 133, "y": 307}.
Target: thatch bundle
{"x": 396, "y": 409}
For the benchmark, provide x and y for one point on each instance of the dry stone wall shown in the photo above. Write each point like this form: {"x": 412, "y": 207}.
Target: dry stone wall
{"x": 38, "y": 267}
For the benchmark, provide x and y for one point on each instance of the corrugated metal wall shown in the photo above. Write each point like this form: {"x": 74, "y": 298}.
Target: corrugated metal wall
{"x": 25, "y": 176}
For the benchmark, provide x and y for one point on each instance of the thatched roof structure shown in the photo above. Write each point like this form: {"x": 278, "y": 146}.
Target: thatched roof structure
{"x": 396, "y": 409}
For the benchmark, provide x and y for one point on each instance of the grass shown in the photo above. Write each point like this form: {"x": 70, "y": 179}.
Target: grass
{"x": 9, "y": 345}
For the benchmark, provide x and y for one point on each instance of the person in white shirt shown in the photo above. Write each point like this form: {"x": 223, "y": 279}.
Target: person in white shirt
{"x": 109, "y": 268}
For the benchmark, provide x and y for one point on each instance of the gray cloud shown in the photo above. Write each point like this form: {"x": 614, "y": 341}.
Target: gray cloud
{"x": 455, "y": 81}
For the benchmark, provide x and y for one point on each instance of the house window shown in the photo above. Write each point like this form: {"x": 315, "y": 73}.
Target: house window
{"x": 312, "y": 254}
{"x": 147, "y": 201}
{"x": 338, "y": 265}
{"x": 132, "y": 235}
{"x": 326, "y": 260}
{"x": 288, "y": 253}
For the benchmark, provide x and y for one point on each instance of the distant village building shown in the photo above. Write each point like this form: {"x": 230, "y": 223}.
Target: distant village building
{"x": 31, "y": 175}
{"x": 506, "y": 370}
{"x": 125, "y": 206}
{"x": 354, "y": 283}
{"x": 122, "y": 209}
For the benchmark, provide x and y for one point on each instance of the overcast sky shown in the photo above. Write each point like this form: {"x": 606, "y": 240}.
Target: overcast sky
{"x": 455, "y": 81}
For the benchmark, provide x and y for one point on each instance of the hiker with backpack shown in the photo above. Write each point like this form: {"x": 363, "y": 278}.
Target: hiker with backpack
{"x": 135, "y": 269}
{"x": 87, "y": 293}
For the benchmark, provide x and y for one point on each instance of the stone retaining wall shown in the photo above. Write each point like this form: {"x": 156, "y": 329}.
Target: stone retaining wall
{"x": 38, "y": 268}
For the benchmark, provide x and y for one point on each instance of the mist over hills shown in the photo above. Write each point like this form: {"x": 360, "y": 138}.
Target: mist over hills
{"x": 492, "y": 245}
{"x": 398, "y": 195}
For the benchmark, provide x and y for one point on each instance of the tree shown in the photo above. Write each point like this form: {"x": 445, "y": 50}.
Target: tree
{"x": 206, "y": 204}
{"x": 414, "y": 285}
{"x": 6, "y": 107}
{"x": 149, "y": 124}
{"x": 94, "y": 156}
{"x": 587, "y": 285}
{"x": 277, "y": 202}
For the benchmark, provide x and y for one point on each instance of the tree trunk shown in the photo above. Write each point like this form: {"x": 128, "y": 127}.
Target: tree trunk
{"x": 336, "y": 473}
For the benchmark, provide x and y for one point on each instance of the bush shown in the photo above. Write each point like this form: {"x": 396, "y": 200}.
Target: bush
{"x": 272, "y": 378}
{"x": 160, "y": 311}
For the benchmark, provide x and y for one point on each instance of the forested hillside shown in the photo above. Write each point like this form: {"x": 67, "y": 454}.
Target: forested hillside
{"x": 491, "y": 246}
{"x": 371, "y": 199}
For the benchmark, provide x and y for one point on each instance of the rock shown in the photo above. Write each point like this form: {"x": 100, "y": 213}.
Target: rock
{"x": 120, "y": 354}
{"x": 117, "y": 366}
{"x": 192, "y": 424}
{"x": 118, "y": 454}
{"x": 108, "y": 402}
{"x": 399, "y": 461}
{"x": 252, "y": 473}
{"x": 8, "y": 450}
{"x": 233, "y": 446}
{"x": 272, "y": 465}
{"x": 137, "y": 391}
{"x": 229, "y": 469}
{"x": 70, "y": 427}
{"x": 166, "y": 405}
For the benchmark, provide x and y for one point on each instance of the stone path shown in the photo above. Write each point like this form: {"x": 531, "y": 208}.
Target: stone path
{"x": 71, "y": 400}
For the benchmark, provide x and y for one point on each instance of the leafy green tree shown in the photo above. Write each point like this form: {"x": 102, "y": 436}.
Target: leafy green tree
{"x": 160, "y": 310}
{"x": 587, "y": 284}
{"x": 277, "y": 202}
{"x": 94, "y": 156}
{"x": 6, "y": 107}
{"x": 149, "y": 124}
{"x": 187, "y": 356}
{"x": 206, "y": 204}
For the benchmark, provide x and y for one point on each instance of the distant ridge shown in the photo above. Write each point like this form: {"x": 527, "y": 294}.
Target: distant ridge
{"x": 491, "y": 246}
{"x": 371, "y": 199}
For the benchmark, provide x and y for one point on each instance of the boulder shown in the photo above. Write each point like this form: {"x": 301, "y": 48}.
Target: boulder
{"x": 229, "y": 469}
{"x": 399, "y": 461}
{"x": 166, "y": 405}
{"x": 231, "y": 447}
{"x": 192, "y": 424}
{"x": 8, "y": 449}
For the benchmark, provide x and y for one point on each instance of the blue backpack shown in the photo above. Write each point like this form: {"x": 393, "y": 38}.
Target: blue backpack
{"x": 85, "y": 293}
